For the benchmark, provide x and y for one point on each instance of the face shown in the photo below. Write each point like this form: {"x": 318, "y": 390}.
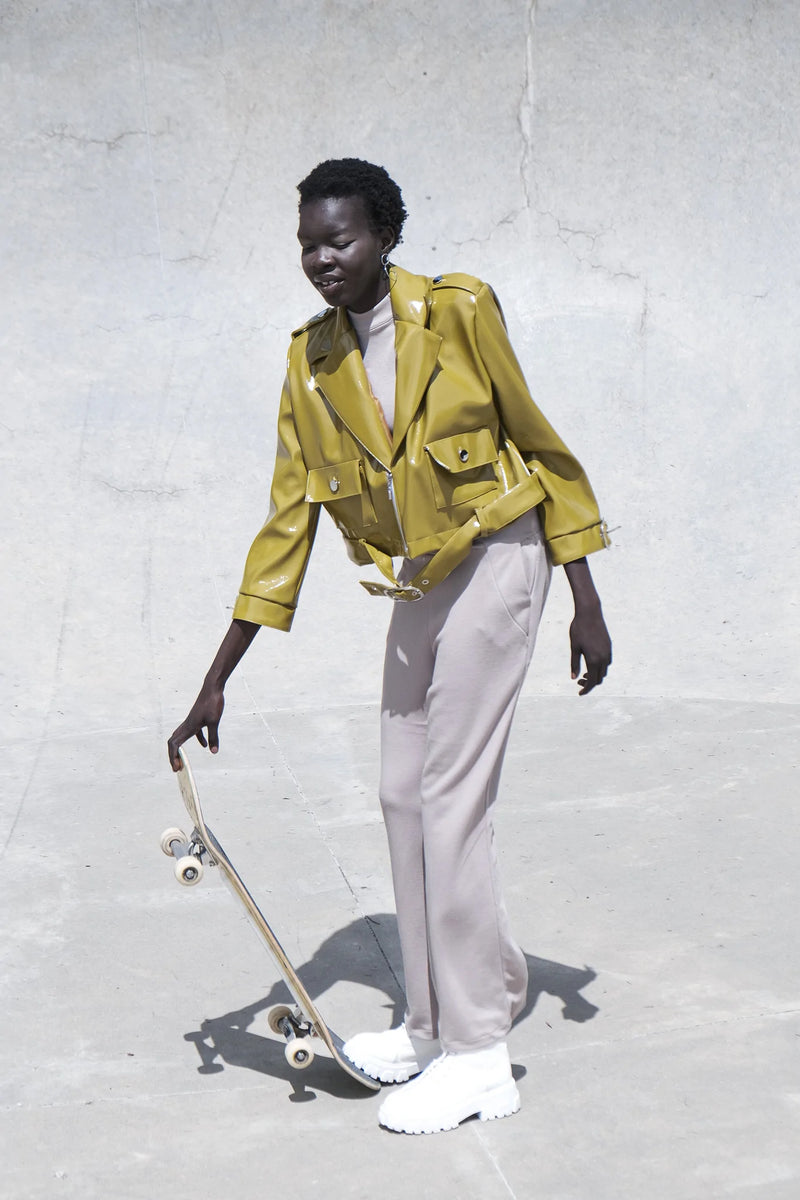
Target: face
{"x": 340, "y": 253}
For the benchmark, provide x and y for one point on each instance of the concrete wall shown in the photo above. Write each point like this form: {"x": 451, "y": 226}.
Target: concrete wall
{"x": 624, "y": 173}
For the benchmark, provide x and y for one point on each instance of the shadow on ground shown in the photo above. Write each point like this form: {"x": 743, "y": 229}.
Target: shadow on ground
{"x": 361, "y": 953}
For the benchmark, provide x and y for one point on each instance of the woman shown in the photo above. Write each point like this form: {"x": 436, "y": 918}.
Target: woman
{"x": 405, "y": 414}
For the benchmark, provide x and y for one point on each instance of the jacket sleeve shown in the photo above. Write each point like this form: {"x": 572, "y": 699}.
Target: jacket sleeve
{"x": 277, "y": 561}
{"x": 570, "y": 517}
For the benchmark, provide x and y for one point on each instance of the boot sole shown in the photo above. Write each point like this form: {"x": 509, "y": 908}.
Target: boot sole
{"x": 500, "y": 1102}
{"x": 385, "y": 1072}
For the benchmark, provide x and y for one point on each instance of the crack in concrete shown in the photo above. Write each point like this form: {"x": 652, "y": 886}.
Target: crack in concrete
{"x": 508, "y": 219}
{"x": 567, "y": 233}
{"x": 526, "y": 104}
{"x": 493, "y": 1159}
{"x": 571, "y": 233}
{"x": 614, "y": 274}
{"x": 62, "y": 133}
{"x": 645, "y": 312}
{"x": 140, "y": 47}
{"x": 753, "y": 14}
{"x": 68, "y": 552}
{"x": 173, "y": 316}
{"x": 142, "y": 491}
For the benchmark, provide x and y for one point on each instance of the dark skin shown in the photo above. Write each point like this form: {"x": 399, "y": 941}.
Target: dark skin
{"x": 588, "y": 636}
{"x": 341, "y": 256}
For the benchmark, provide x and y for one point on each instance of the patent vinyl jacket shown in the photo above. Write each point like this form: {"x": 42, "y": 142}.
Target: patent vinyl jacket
{"x": 470, "y": 450}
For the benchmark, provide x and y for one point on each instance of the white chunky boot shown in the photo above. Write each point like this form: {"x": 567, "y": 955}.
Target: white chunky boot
{"x": 393, "y": 1056}
{"x": 454, "y": 1087}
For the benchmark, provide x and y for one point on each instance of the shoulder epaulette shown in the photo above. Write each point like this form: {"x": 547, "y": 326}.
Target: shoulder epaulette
{"x": 326, "y": 312}
{"x": 465, "y": 283}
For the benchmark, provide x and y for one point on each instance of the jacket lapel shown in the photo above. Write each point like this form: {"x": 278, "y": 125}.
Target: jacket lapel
{"x": 417, "y": 352}
{"x": 339, "y": 371}
{"x": 416, "y": 346}
{"x": 341, "y": 378}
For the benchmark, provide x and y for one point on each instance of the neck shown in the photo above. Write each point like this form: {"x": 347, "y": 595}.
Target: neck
{"x": 381, "y": 290}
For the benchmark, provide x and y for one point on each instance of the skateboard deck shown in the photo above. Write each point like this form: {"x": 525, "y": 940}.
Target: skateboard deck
{"x": 302, "y": 1024}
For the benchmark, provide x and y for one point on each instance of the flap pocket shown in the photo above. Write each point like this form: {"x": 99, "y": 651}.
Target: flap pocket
{"x": 464, "y": 451}
{"x": 462, "y": 467}
{"x": 334, "y": 483}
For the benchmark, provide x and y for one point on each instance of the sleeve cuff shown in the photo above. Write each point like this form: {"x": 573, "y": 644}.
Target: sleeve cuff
{"x": 263, "y": 612}
{"x": 570, "y": 546}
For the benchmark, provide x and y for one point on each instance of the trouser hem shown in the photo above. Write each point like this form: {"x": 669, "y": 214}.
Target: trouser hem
{"x": 484, "y": 1043}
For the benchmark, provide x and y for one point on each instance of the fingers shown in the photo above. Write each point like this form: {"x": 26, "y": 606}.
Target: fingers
{"x": 213, "y": 736}
{"x": 586, "y": 684}
{"x": 181, "y": 735}
{"x": 173, "y": 746}
{"x": 191, "y": 728}
{"x": 589, "y": 639}
{"x": 594, "y": 676}
{"x": 575, "y": 662}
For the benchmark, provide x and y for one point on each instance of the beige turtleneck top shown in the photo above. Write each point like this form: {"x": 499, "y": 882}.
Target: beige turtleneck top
{"x": 375, "y": 333}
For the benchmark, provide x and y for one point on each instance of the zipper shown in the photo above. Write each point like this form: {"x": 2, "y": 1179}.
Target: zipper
{"x": 393, "y": 498}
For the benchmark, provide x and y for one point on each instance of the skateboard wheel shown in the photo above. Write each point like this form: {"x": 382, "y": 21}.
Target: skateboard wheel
{"x": 171, "y": 835}
{"x": 276, "y": 1015}
{"x": 188, "y": 870}
{"x": 299, "y": 1053}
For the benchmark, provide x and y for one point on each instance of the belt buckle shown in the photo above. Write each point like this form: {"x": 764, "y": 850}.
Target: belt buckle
{"x": 406, "y": 595}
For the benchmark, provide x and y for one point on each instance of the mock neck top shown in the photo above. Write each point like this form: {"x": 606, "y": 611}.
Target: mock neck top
{"x": 374, "y": 330}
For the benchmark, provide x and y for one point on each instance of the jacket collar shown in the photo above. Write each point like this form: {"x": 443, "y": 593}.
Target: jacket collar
{"x": 332, "y": 345}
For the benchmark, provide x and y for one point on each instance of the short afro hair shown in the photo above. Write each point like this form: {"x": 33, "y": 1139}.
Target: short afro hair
{"x": 382, "y": 198}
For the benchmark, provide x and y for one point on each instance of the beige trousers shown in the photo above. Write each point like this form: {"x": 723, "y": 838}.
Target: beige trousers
{"x": 455, "y": 664}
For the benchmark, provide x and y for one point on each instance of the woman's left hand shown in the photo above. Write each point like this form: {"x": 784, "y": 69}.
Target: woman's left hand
{"x": 588, "y": 635}
{"x": 590, "y": 640}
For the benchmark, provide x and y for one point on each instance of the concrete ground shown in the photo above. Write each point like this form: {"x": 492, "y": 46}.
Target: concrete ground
{"x": 626, "y": 176}
{"x": 649, "y": 853}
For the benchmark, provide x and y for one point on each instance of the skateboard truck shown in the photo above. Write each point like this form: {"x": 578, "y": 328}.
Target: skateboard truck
{"x": 188, "y": 855}
{"x": 289, "y": 1023}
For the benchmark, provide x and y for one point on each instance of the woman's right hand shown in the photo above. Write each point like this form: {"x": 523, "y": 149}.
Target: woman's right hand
{"x": 207, "y": 709}
{"x": 205, "y": 713}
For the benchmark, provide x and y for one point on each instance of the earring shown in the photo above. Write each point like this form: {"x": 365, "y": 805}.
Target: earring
{"x": 385, "y": 263}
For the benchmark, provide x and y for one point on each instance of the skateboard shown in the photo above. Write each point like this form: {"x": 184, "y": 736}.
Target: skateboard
{"x": 301, "y": 1024}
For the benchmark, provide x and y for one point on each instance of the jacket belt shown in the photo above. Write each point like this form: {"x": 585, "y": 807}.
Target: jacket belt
{"x": 487, "y": 520}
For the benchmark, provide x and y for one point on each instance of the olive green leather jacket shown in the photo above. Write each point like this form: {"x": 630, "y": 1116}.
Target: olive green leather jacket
{"x": 470, "y": 450}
